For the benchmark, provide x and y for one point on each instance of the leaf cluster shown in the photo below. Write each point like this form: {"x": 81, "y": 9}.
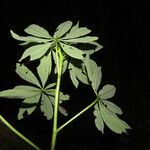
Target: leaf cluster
{"x": 44, "y": 47}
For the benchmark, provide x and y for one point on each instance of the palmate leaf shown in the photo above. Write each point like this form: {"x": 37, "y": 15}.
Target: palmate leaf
{"x": 33, "y": 101}
{"x": 107, "y": 91}
{"x": 38, "y": 31}
{"x": 46, "y": 107}
{"x": 44, "y": 69}
{"x": 19, "y": 93}
{"x": 86, "y": 39}
{"x": 26, "y": 74}
{"x": 62, "y": 29}
{"x": 72, "y": 51}
{"x": 28, "y": 38}
{"x": 112, "y": 121}
{"x": 36, "y": 51}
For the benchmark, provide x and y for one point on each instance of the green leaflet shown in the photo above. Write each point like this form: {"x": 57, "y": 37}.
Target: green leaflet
{"x": 74, "y": 79}
{"x": 78, "y": 73}
{"x": 29, "y": 110}
{"x": 98, "y": 120}
{"x": 46, "y": 107}
{"x": 73, "y": 76}
{"x": 94, "y": 73}
{"x": 78, "y": 32}
{"x": 63, "y": 111}
{"x": 18, "y": 93}
{"x": 64, "y": 97}
{"x": 51, "y": 93}
{"x": 85, "y": 39}
{"x": 72, "y": 51}
{"x": 62, "y": 29}
{"x": 27, "y": 88}
{"x": 38, "y": 31}
{"x": 65, "y": 65}
{"x": 28, "y": 38}
{"x": 44, "y": 69}
{"x": 90, "y": 66}
{"x": 113, "y": 107}
{"x": 98, "y": 47}
{"x": 26, "y": 74}
{"x": 107, "y": 91}
{"x": 50, "y": 85}
{"x": 96, "y": 79}
{"x": 112, "y": 121}
{"x": 99, "y": 123}
{"x": 37, "y": 51}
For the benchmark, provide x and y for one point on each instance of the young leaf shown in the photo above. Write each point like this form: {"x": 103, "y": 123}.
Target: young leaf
{"x": 62, "y": 29}
{"x": 28, "y": 38}
{"x": 64, "y": 97}
{"x": 72, "y": 51}
{"x": 112, "y": 107}
{"x": 44, "y": 69}
{"x": 63, "y": 111}
{"x": 85, "y": 39}
{"x": 38, "y": 31}
{"x": 26, "y": 74}
{"x": 18, "y": 93}
{"x": 112, "y": 121}
{"x": 107, "y": 91}
{"x": 29, "y": 110}
{"x": 46, "y": 107}
{"x": 37, "y": 51}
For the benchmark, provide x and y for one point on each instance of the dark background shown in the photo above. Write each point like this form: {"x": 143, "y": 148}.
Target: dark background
{"x": 123, "y": 30}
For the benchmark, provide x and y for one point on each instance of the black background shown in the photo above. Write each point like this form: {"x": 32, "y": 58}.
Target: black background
{"x": 123, "y": 30}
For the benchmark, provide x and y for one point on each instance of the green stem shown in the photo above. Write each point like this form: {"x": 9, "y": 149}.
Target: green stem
{"x": 18, "y": 133}
{"x": 59, "y": 64}
{"x": 77, "y": 115}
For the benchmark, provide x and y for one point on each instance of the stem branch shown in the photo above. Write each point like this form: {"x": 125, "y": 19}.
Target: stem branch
{"x": 59, "y": 65}
{"x": 76, "y": 116}
{"x": 18, "y": 133}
